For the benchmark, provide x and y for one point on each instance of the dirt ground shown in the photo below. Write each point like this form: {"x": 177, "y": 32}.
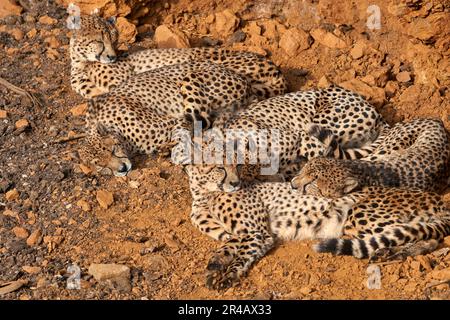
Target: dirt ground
{"x": 55, "y": 220}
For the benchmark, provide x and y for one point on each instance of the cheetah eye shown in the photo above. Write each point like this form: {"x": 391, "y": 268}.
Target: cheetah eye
{"x": 218, "y": 170}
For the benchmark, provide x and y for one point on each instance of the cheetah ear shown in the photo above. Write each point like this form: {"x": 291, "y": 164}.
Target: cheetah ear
{"x": 350, "y": 184}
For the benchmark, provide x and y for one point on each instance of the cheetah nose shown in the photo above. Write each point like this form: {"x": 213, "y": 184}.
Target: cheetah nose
{"x": 112, "y": 58}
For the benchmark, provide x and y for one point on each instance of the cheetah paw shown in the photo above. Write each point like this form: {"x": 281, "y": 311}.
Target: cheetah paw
{"x": 219, "y": 280}
{"x": 218, "y": 276}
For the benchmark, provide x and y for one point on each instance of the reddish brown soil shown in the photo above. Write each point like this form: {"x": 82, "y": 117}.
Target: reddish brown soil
{"x": 147, "y": 227}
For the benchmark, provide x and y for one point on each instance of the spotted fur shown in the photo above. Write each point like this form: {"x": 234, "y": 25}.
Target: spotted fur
{"x": 296, "y": 117}
{"x": 413, "y": 154}
{"x": 96, "y": 68}
{"x": 143, "y": 113}
{"x": 251, "y": 220}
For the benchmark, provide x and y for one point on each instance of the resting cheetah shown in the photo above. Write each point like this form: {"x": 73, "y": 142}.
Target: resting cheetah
{"x": 141, "y": 115}
{"x": 251, "y": 220}
{"x": 96, "y": 68}
{"x": 412, "y": 154}
{"x": 344, "y": 113}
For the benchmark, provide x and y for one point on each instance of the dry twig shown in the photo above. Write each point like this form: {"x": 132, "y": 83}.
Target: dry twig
{"x": 21, "y": 92}
{"x": 71, "y": 138}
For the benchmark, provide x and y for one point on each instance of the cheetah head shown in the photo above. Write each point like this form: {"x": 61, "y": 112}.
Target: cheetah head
{"x": 105, "y": 154}
{"x": 93, "y": 39}
{"x": 212, "y": 178}
{"x": 324, "y": 177}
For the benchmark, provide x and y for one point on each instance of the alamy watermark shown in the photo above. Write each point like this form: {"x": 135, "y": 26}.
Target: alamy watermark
{"x": 74, "y": 280}
{"x": 228, "y": 147}
{"x": 374, "y": 19}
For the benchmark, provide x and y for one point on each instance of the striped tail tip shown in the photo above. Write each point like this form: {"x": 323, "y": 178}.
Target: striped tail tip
{"x": 346, "y": 247}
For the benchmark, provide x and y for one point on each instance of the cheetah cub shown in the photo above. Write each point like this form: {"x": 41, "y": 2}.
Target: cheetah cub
{"x": 250, "y": 221}
{"x": 97, "y": 69}
{"x": 144, "y": 114}
{"x": 288, "y": 120}
{"x": 412, "y": 154}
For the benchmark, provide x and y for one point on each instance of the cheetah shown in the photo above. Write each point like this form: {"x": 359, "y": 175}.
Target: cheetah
{"x": 413, "y": 154}
{"x": 97, "y": 69}
{"x": 144, "y": 114}
{"x": 343, "y": 113}
{"x": 253, "y": 219}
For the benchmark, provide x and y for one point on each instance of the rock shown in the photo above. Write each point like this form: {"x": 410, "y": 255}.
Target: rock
{"x": 103, "y": 272}
{"x": 166, "y": 37}
{"x": 411, "y": 94}
{"x": 145, "y": 29}
{"x": 79, "y": 110}
{"x": 225, "y": 23}
{"x": 3, "y": 114}
{"x": 47, "y": 20}
{"x": 369, "y": 79}
{"x": 374, "y": 95}
{"x": 32, "y": 33}
{"x": 443, "y": 274}
{"x": 323, "y": 82}
{"x": 173, "y": 243}
{"x": 84, "y": 205}
{"x": 20, "y": 232}
{"x": 11, "y": 51}
{"x": 447, "y": 239}
{"x": 29, "y": 18}
{"x": 16, "y": 33}
{"x": 294, "y": 40}
{"x": 134, "y": 184}
{"x": 306, "y": 290}
{"x": 52, "y": 54}
{"x": 403, "y": 76}
{"x": 85, "y": 169}
{"x": 391, "y": 88}
{"x": 127, "y": 30}
{"x": 22, "y": 124}
{"x": 424, "y": 262}
{"x": 12, "y": 195}
{"x": 358, "y": 50}
{"x": 430, "y": 28}
{"x": 238, "y": 36}
{"x": 52, "y": 42}
{"x": 5, "y": 185}
{"x": 381, "y": 76}
{"x": 110, "y": 8}
{"x": 105, "y": 198}
{"x": 30, "y": 215}
{"x": 35, "y": 238}
{"x": 42, "y": 283}
{"x": 31, "y": 270}
{"x": 410, "y": 287}
{"x": 8, "y": 8}
{"x": 328, "y": 39}
{"x": 121, "y": 284}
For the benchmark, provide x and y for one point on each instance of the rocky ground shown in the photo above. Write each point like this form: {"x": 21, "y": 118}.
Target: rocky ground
{"x": 55, "y": 214}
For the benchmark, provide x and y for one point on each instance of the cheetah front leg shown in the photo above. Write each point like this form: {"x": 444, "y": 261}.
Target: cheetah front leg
{"x": 207, "y": 224}
{"x": 85, "y": 87}
{"x": 232, "y": 261}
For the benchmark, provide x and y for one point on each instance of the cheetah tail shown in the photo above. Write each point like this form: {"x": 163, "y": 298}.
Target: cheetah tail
{"x": 401, "y": 235}
{"x": 335, "y": 150}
